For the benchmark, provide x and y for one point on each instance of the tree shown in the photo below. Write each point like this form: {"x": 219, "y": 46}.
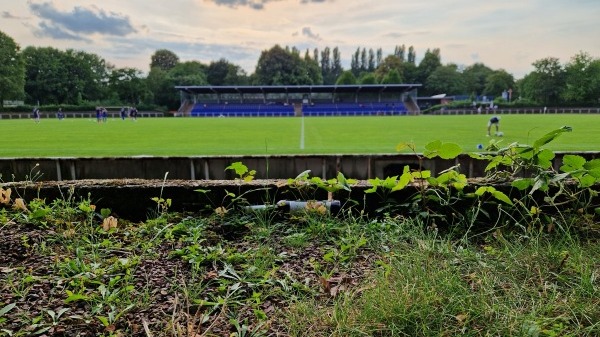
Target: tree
{"x": 430, "y": 62}
{"x": 129, "y": 85}
{"x": 391, "y": 62}
{"x": 346, "y": 78}
{"x": 412, "y": 55}
{"x": 399, "y": 52}
{"x": 582, "y": 79}
{"x": 164, "y": 59}
{"x": 223, "y": 72}
{"x": 336, "y": 66}
{"x": 355, "y": 62}
{"x": 445, "y": 80}
{"x": 64, "y": 77}
{"x": 278, "y": 66}
{"x": 45, "y": 75}
{"x": 497, "y": 82}
{"x": 364, "y": 66}
{"x": 368, "y": 78}
{"x": 12, "y": 70}
{"x": 393, "y": 77}
{"x": 88, "y": 74}
{"x": 546, "y": 83}
{"x": 162, "y": 83}
{"x": 326, "y": 66}
{"x": 475, "y": 77}
{"x": 371, "y": 60}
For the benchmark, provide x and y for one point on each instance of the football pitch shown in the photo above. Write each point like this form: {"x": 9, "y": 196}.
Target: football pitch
{"x": 281, "y": 135}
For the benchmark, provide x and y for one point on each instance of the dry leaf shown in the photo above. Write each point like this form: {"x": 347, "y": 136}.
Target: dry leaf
{"x": 325, "y": 284}
{"x": 221, "y": 211}
{"x": 5, "y": 196}
{"x": 69, "y": 233}
{"x": 315, "y": 206}
{"x": 108, "y": 223}
{"x": 461, "y": 318}
{"x": 20, "y": 205}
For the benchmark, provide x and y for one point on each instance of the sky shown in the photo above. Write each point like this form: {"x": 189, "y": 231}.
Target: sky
{"x": 507, "y": 34}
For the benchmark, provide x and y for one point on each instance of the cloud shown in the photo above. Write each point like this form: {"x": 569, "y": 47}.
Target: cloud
{"x": 57, "y": 32}
{"x": 306, "y": 31}
{"x": 254, "y": 4}
{"x": 397, "y": 35}
{"x": 80, "y": 21}
{"x": 8, "y": 15}
{"x": 257, "y": 4}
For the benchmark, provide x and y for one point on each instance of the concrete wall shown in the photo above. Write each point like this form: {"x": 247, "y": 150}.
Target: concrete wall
{"x": 213, "y": 168}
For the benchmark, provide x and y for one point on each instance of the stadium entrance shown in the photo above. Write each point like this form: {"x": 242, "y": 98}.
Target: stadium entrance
{"x": 302, "y": 100}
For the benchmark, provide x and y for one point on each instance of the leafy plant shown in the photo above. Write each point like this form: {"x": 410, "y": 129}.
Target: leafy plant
{"x": 242, "y": 171}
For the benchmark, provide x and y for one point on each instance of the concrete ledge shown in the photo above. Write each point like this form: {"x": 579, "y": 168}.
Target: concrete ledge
{"x": 357, "y": 166}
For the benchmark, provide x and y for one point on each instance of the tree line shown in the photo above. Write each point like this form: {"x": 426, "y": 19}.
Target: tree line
{"x": 46, "y": 75}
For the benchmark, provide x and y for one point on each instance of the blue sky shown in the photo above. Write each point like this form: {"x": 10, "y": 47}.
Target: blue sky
{"x": 508, "y": 34}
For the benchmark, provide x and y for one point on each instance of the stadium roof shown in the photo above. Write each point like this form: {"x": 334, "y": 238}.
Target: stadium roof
{"x": 267, "y": 89}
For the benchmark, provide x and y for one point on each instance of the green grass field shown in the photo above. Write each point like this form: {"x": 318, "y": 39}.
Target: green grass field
{"x": 259, "y": 136}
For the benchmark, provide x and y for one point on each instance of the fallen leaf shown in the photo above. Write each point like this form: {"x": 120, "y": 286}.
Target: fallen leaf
{"x": 221, "y": 211}
{"x": 461, "y": 318}
{"x": 5, "y": 196}
{"x": 108, "y": 223}
{"x": 20, "y": 205}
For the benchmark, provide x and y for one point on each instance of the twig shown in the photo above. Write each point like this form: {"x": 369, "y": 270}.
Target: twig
{"x": 145, "y": 324}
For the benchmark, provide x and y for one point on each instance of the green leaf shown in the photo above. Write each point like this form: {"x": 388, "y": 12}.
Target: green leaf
{"x": 544, "y": 158}
{"x": 238, "y": 167}
{"x": 421, "y": 174}
{"x": 404, "y": 180}
{"x": 343, "y": 181}
{"x": 480, "y": 191}
{"x": 502, "y": 197}
{"x": 432, "y": 149}
{"x": 103, "y": 320}
{"x": 403, "y": 146}
{"x": 105, "y": 212}
{"x": 7, "y": 308}
{"x": 390, "y": 182}
{"x": 587, "y": 181}
{"x": 573, "y": 162}
{"x": 303, "y": 175}
{"x": 449, "y": 151}
{"x": 594, "y": 173}
{"x": 522, "y": 184}
{"x": 539, "y": 184}
{"x": 434, "y": 146}
{"x": 592, "y": 164}
{"x": 550, "y": 136}
{"x": 75, "y": 297}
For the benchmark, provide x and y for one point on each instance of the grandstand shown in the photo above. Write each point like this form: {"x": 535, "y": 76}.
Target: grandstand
{"x": 306, "y": 100}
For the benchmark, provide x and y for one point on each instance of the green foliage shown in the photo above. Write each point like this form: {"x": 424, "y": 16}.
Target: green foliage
{"x": 12, "y": 70}
{"x": 242, "y": 171}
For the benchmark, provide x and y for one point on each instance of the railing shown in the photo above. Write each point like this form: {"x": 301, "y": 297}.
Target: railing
{"x": 26, "y": 115}
{"x": 535, "y": 110}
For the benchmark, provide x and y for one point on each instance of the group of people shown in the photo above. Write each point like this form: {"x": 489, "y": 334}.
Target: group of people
{"x": 129, "y": 111}
{"x": 102, "y": 113}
